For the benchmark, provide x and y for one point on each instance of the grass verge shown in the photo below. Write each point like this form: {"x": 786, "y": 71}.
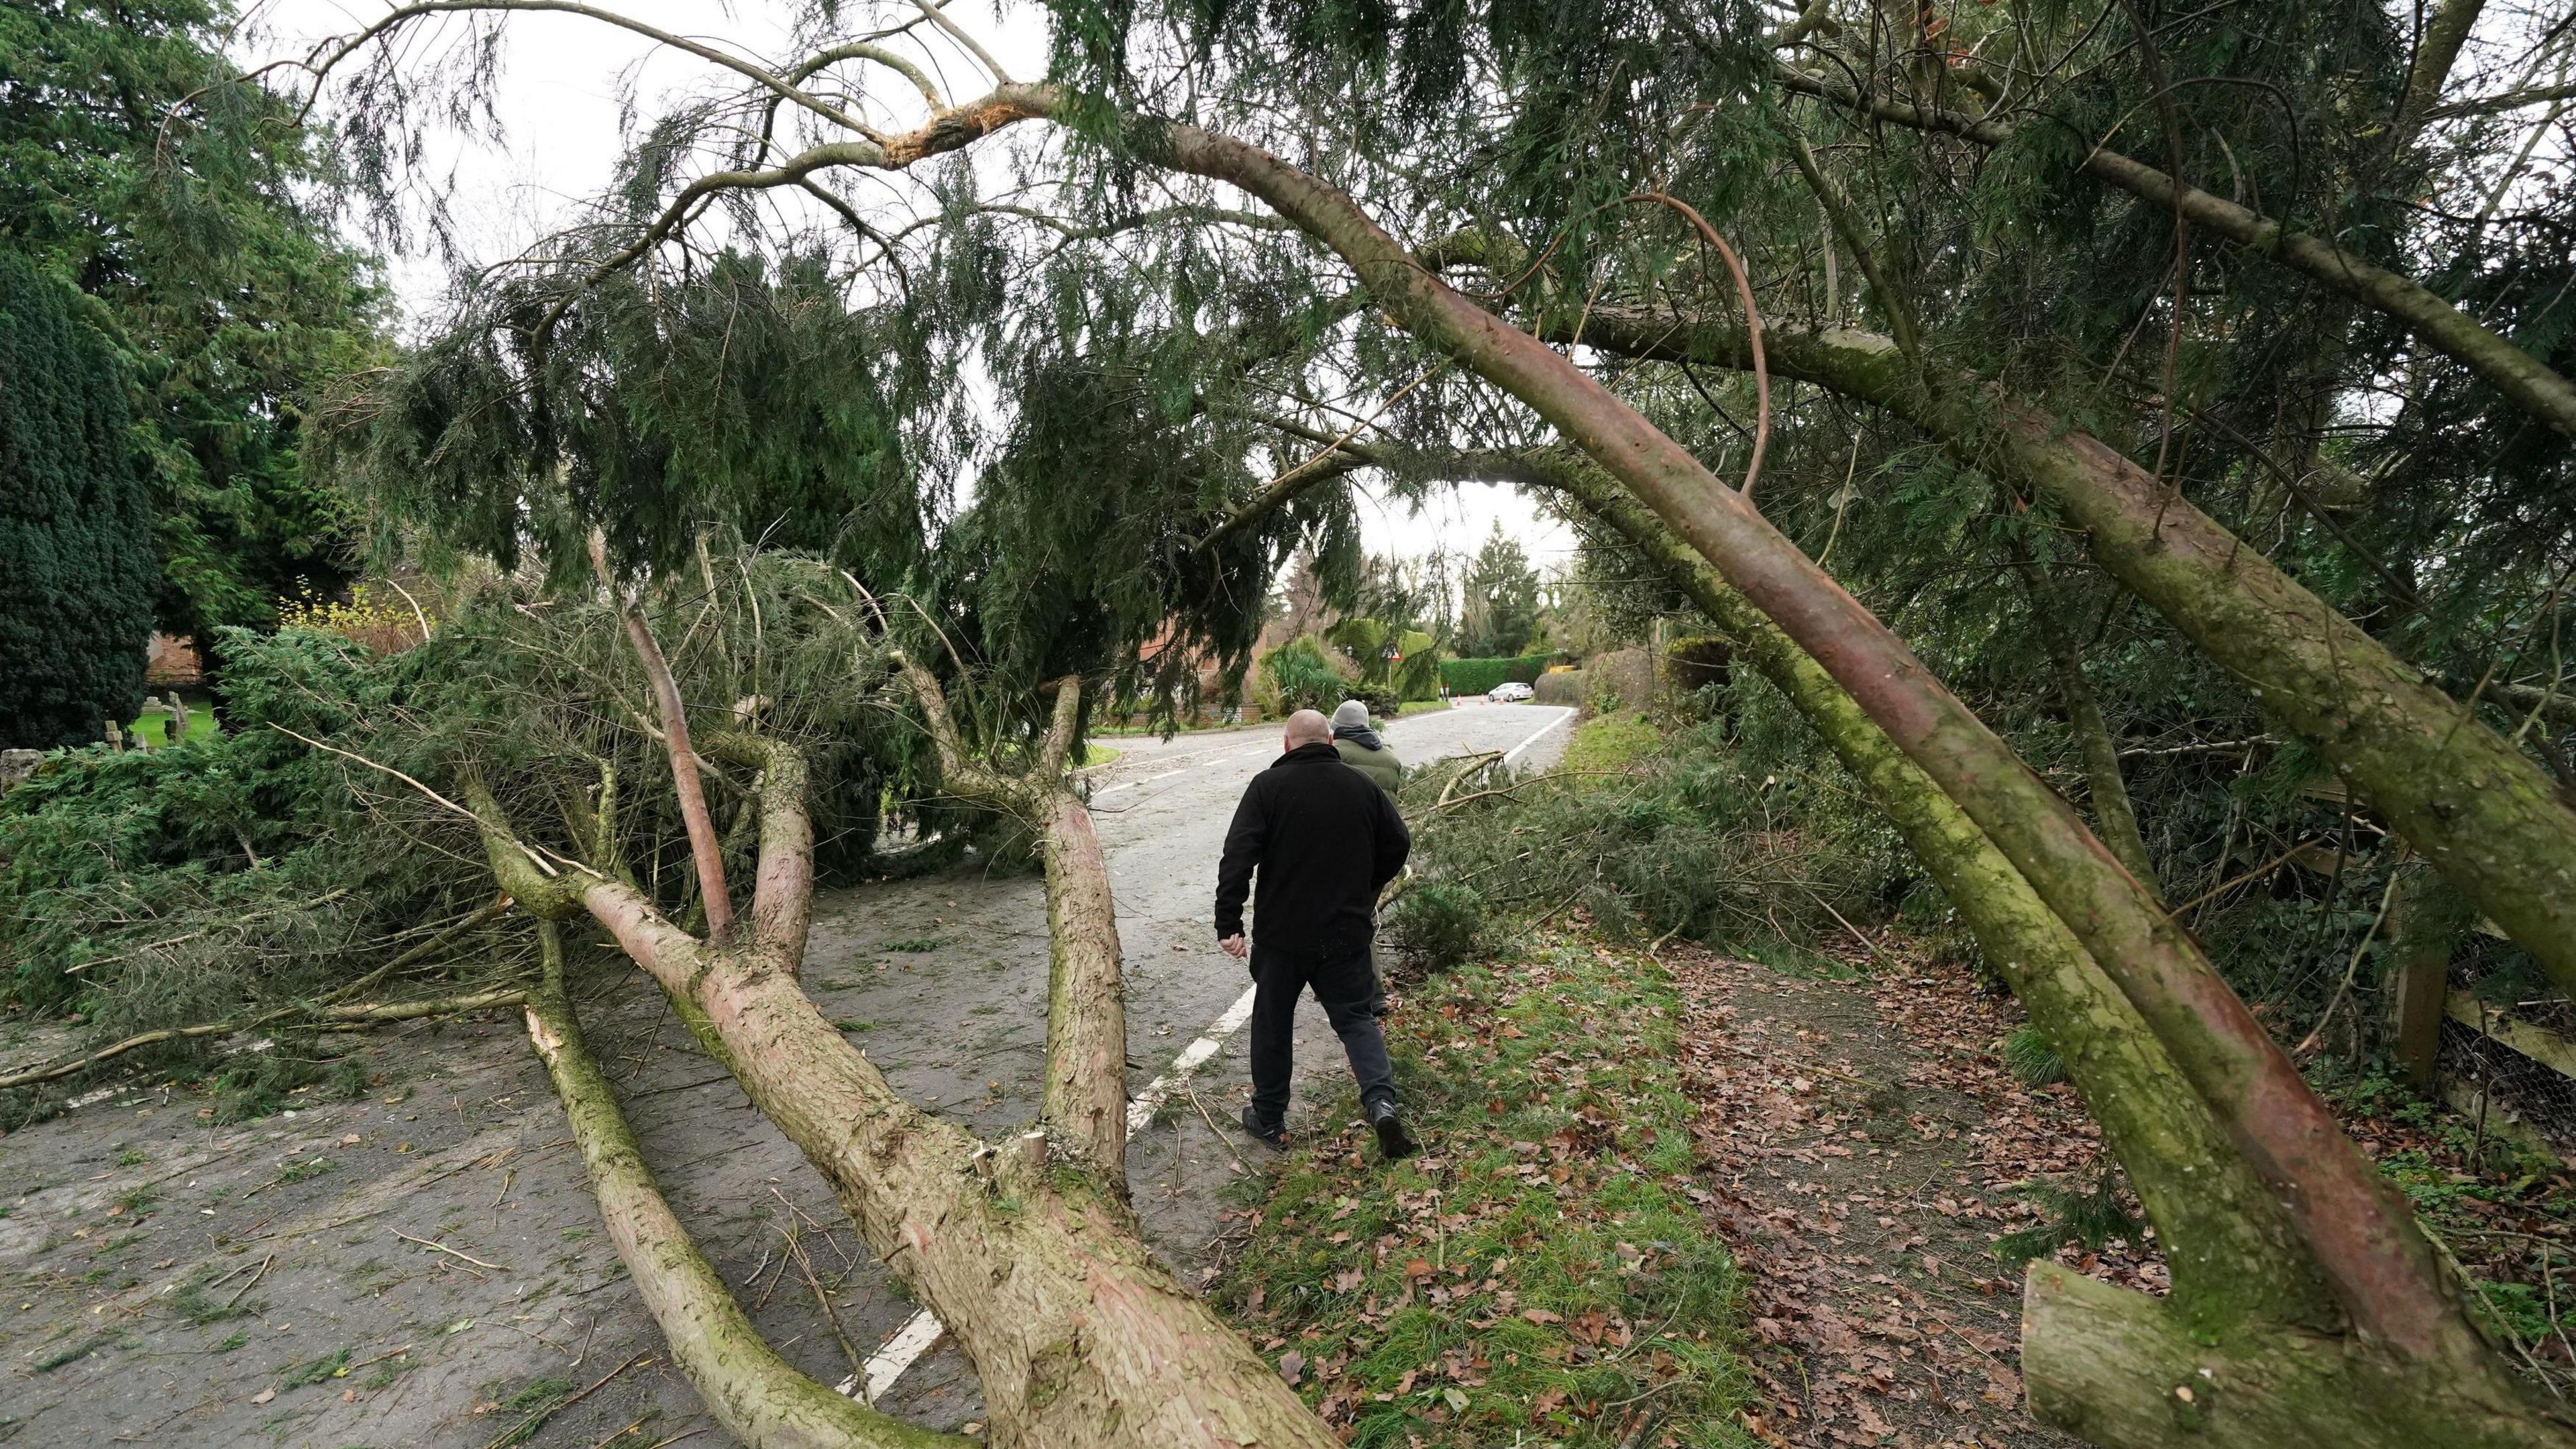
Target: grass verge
{"x": 1611, "y": 741}
{"x": 1540, "y": 1274}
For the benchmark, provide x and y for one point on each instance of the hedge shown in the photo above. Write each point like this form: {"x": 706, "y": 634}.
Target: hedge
{"x": 1479, "y": 676}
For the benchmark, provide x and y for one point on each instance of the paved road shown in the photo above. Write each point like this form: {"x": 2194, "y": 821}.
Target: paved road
{"x": 321, "y": 1318}
{"x": 975, "y": 1041}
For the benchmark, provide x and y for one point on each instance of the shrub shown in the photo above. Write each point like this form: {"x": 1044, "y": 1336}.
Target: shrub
{"x": 1564, "y": 686}
{"x": 1301, "y": 675}
{"x": 1725, "y": 836}
{"x": 1438, "y": 923}
{"x": 1478, "y": 676}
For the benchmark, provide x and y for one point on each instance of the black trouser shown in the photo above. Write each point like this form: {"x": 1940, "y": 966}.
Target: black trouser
{"x": 1342, "y": 985}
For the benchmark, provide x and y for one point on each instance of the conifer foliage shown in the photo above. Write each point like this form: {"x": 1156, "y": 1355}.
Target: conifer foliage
{"x": 76, "y": 564}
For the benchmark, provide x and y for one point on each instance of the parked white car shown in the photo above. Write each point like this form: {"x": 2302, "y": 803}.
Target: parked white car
{"x": 1508, "y": 693}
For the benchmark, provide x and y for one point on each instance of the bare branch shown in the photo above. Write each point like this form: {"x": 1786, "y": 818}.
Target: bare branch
{"x": 861, "y": 50}
{"x": 704, "y": 846}
{"x": 1058, "y": 749}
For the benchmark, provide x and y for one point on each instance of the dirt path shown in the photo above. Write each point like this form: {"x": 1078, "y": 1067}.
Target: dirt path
{"x": 175, "y": 1282}
{"x": 1866, "y": 1148}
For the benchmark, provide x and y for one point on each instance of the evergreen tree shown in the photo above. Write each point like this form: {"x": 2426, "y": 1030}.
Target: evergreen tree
{"x": 1501, "y": 612}
{"x": 76, "y": 565}
{"x": 223, "y": 284}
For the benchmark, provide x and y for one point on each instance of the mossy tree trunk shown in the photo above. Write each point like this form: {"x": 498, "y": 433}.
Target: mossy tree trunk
{"x": 1080, "y": 1337}
{"x": 2233, "y": 1253}
{"x": 2486, "y": 815}
{"x": 2250, "y": 1333}
{"x": 756, "y": 1396}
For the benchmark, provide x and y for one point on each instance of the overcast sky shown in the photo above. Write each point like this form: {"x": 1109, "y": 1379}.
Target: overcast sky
{"x": 558, "y": 104}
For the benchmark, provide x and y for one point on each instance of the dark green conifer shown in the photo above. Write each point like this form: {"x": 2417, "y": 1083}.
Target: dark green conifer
{"x": 76, "y": 565}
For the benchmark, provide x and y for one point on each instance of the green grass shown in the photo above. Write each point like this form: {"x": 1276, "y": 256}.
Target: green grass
{"x": 201, "y": 721}
{"x": 1559, "y": 1285}
{"x": 916, "y": 944}
{"x": 1611, "y": 741}
{"x": 1096, "y": 755}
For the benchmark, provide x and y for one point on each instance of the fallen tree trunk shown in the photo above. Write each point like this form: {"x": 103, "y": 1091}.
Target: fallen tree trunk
{"x": 1079, "y": 1336}
{"x": 2486, "y": 815}
{"x": 2114, "y": 1368}
{"x": 756, "y": 1396}
{"x": 2233, "y": 1253}
{"x": 1084, "y": 1103}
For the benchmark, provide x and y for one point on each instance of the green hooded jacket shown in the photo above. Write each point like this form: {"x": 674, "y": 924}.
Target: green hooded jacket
{"x": 1378, "y": 764}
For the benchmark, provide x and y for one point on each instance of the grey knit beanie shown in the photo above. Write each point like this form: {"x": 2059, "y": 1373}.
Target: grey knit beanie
{"x": 1350, "y": 714}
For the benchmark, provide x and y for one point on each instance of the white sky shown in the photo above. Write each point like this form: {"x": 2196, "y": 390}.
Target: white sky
{"x": 557, "y": 101}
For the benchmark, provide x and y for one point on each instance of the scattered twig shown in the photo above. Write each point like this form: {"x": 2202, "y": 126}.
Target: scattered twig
{"x": 238, "y": 1293}
{"x": 335, "y": 1018}
{"x": 443, "y": 1248}
{"x": 1221, "y": 1139}
{"x": 553, "y": 1409}
{"x": 1874, "y": 948}
{"x": 2351, "y": 969}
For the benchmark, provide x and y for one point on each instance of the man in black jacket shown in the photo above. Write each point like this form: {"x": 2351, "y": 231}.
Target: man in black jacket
{"x": 1325, "y": 839}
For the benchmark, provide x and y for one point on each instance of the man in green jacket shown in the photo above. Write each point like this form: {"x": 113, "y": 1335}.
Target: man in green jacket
{"x": 1362, "y": 750}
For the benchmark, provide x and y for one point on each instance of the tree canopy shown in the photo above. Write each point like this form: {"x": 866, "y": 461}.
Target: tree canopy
{"x": 137, "y": 165}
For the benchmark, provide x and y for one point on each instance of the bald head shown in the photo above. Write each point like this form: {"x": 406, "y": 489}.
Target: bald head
{"x": 1307, "y": 727}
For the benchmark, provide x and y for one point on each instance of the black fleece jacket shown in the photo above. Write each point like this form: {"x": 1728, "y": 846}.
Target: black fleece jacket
{"x": 1326, "y": 839}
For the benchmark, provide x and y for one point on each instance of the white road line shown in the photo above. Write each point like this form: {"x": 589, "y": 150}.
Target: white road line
{"x": 1182, "y": 770}
{"x": 922, "y": 1330}
{"x": 1535, "y": 737}
{"x": 1192, "y": 1057}
{"x": 914, "y": 1338}
{"x": 888, "y": 1363}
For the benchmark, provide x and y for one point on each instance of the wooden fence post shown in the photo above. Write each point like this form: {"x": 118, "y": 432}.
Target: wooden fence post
{"x": 2425, "y": 924}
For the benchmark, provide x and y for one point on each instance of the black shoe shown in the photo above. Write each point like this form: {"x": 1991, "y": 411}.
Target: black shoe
{"x": 1268, "y": 1133}
{"x": 1392, "y": 1137}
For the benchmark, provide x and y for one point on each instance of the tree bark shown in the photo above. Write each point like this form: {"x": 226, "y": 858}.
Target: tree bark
{"x": 704, "y": 848}
{"x": 2426, "y": 921}
{"x": 2486, "y": 815}
{"x": 2444, "y": 34}
{"x": 2111, "y": 1367}
{"x": 2233, "y": 1252}
{"x": 758, "y": 1397}
{"x": 1084, "y": 1106}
